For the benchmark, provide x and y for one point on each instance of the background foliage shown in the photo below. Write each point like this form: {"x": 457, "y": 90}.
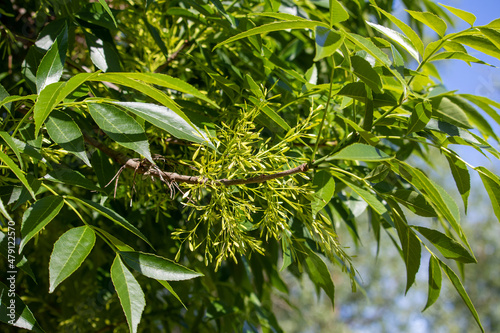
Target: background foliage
{"x": 217, "y": 147}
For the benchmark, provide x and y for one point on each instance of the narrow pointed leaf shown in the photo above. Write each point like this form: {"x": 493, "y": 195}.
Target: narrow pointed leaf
{"x": 420, "y": 116}
{"x": 319, "y": 274}
{"x": 456, "y": 55}
{"x": 415, "y": 202}
{"x": 113, "y": 216}
{"x": 106, "y": 8}
{"x": 167, "y": 120}
{"x": 327, "y": 42}
{"x": 121, "y": 127}
{"x": 451, "y": 112}
{"x": 493, "y": 35}
{"x": 397, "y": 37}
{"x": 360, "y": 152}
{"x": 38, "y": 216}
{"x": 435, "y": 279}
{"x": 121, "y": 246}
{"x": 69, "y": 252}
{"x": 371, "y": 48}
{"x": 129, "y": 292}
{"x": 23, "y": 317}
{"x": 461, "y": 291}
{"x": 430, "y": 20}
{"x": 45, "y": 103}
{"x": 169, "y": 288}
{"x": 448, "y": 247}
{"x": 491, "y": 183}
{"x": 366, "y": 73}
{"x": 102, "y": 54}
{"x": 12, "y": 145}
{"x": 461, "y": 175}
{"x": 324, "y": 188}
{"x": 275, "y": 26}
{"x": 466, "y": 16}
{"x": 66, "y": 133}
{"x": 479, "y": 43}
{"x": 370, "y": 198}
{"x": 157, "y": 267}
{"x": 51, "y": 67}
{"x": 71, "y": 177}
{"x": 15, "y": 169}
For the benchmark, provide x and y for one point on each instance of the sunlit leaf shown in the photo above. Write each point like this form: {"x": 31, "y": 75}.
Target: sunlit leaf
{"x": 327, "y": 42}
{"x": 360, "y": 152}
{"x": 420, "y": 116}
{"x": 466, "y": 16}
{"x": 397, "y": 37}
{"x": 430, "y": 20}
{"x": 51, "y": 67}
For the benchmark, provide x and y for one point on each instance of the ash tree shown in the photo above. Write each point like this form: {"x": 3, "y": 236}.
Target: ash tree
{"x": 163, "y": 161}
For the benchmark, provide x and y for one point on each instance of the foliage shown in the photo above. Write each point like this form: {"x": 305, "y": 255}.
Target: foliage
{"x": 209, "y": 146}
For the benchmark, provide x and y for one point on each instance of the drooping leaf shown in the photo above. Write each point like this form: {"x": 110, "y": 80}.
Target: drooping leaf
{"x": 327, "y": 42}
{"x": 172, "y": 291}
{"x": 435, "y": 279}
{"x": 461, "y": 291}
{"x": 129, "y": 292}
{"x": 121, "y": 127}
{"x": 319, "y": 274}
{"x": 167, "y": 120}
{"x": 66, "y": 133}
{"x": 157, "y": 267}
{"x": 360, "y": 152}
{"x": 71, "y": 177}
{"x": 466, "y": 16}
{"x": 415, "y": 202}
{"x": 366, "y": 73}
{"x": 409, "y": 244}
{"x": 113, "y": 216}
{"x": 104, "y": 170}
{"x": 324, "y": 188}
{"x": 430, "y": 20}
{"x": 461, "y": 175}
{"x": 38, "y": 216}
{"x": 23, "y": 317}
{"x": 420, "y": 116}
{"x": 397, "y": 37}
{"x": 51, "y": 67}
{"x": 275, "y": 26}
{"x": 69, "y": 252}
{"x": 491, "y": 183}
{"x": 15, "y": 169}
{"x": 450, "y": 248}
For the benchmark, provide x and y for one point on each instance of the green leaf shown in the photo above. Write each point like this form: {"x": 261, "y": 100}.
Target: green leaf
{"x": 451, "y": 112}
{"x": 12, "y": 144}
{"x": 69, "y": 252}
{"x": 38, "y": 216}
{"x": 106, "y": 8}
{"x": 420, "y": 116}
{"x": 121, "y": 246}
{"x": 129, "y": 292}
{"x": 11, "y": 99}
{"x": 415, "y": 202}
{"x": 474, "y": 117}
{"x": 366, "y": 73}
{"x": 71, "y": 177}
{"x": 327, "y": 42}
{"x": 479, "y": 43}
{"x": 337, "y": 12}
{"x": 104, "y": 171}
{"x": 157, "y": 267}
{"x": 458, "y": 56}
{"x": 491, "y": 183}
{"x": 397, "y": 37}
{"x": 113, "y": 216}
{"x": 270, "y": 114}
{"x": 430, "y": 20}
{"x": 45, "y": 103}
{"x": 370, "y": 198}
{"x": 319, "y": 274}
{"x": 20, "y": 260}
{"x": 23, "y": 317}
{"x": 169, "y": 288}
{"x": 466, "y": 16}
{"x": 167, "y": 120}
{"x": 162, "y": 80}
{"x": 435, "y": 280}
{"x": 121, "y": 127}
{"x": 324, "y": 188}
{"x": 102, "y": 54}
{"x": 368, "y": 46}
{"x": 485, "y": 104}
{"x": 410, "y": 245}
{"x": 461, "y": 291}
{"x": 51, "y": 67}
{"x": 360, "y": 152}
{"x": 448, "y": 247}
{"x": 19, "y": 174}
{"x": 461, "y": 175}
{"x": 412, "y": 35}
{"x": 66, "y": 133}
{"x": 72, "y": 84}
{"x": 4, "y": 94}
{"x": 275, "y": 26}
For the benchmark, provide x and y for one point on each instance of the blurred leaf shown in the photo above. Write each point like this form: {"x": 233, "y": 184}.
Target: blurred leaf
{"x": 337, "y": 12}
{"x": 466, "y": 16}
{"x": 319, "y": 274}
{"x": 491, "y": 183}
{"x": 129, "y": 292}
{"x": 38, "y": 216}
{"x": 121, "y": 127}
{"x": 327, "y": 42}
{"x": 69, "y": 252}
